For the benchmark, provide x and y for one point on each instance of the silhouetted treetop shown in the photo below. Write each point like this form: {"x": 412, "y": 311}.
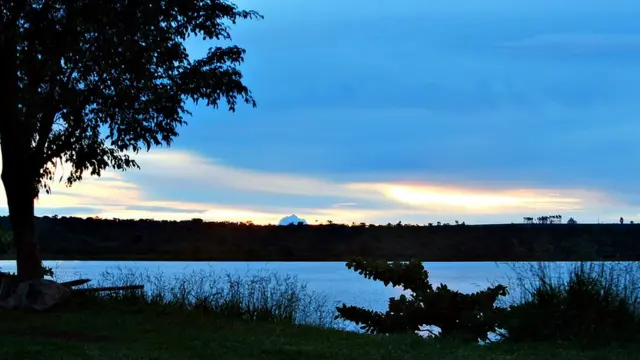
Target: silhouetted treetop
{"x": 88, "y": 82}
{"x": 96, "y": 78}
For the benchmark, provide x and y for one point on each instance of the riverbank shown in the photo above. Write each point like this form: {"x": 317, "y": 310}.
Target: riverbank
{"x": 115, "y": 329}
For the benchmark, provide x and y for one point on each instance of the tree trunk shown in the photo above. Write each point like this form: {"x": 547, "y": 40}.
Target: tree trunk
{"x": 19, "y": 185}
{"x": 21, "y": 215}
{"x": 19, "y": 173}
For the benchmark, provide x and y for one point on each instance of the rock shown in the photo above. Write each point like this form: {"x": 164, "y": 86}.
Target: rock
{"x": 292, "y": 219}
{"x": 35, "y": 295}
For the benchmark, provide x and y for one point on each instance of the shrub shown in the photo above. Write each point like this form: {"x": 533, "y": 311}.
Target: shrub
{"x": 464, "y": 317}
{"x": 587, "y": 303}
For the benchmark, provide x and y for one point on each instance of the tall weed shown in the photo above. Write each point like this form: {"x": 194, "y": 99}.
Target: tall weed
{"x": 586, "y": 302}
{"x": 261, "y": 296}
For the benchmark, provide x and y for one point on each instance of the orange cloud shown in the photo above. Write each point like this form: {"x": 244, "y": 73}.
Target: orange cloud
{"x": 501, "y": 201}
{"x": 477, "y": 200}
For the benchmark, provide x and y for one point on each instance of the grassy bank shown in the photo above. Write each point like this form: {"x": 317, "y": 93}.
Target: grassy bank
{"x": 205, "y": 315}
{"x": 116, "y": 330}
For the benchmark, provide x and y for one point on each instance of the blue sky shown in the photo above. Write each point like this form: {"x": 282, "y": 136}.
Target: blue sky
{"x": 412, "y": 110}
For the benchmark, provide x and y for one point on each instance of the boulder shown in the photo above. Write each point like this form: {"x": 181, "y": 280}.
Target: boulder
{"x": 34, "y": 295}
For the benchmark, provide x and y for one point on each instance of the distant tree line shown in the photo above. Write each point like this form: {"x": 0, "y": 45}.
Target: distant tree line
{"x": 69, "y": 238}
{"x": 545, "y": 219}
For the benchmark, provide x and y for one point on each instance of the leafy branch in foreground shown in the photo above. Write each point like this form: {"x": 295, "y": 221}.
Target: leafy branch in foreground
{"x": 465, "y": 317}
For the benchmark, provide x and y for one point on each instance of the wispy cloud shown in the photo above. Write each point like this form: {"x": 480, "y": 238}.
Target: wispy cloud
{"x": 124, "y": 195}
{"x": 424, "y": 194}
{"x": 187, "y": 166}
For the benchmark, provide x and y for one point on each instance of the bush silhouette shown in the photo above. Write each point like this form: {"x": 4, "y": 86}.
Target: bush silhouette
{"x": 594, "y": 306}
{"x": 463, "y": 317}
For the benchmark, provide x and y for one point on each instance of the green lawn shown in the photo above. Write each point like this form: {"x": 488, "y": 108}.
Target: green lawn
{"x": 110, "y": 330}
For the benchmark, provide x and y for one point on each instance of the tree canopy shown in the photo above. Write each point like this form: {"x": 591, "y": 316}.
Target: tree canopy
{"x": 87, "y": 82}
{"x": 96, "y": 78}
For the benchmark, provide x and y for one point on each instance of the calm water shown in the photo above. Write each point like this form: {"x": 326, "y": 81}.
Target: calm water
{"x": 330, "y": 278}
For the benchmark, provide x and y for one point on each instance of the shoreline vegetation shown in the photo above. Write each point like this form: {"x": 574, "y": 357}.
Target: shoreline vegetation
{"x": 69, "y": 238}
{"x": 273, "y": 316}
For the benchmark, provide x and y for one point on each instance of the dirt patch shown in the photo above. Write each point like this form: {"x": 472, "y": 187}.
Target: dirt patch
{"x": 68, "y": 336}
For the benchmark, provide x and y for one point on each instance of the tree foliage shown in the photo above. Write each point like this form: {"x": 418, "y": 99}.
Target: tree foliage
{"x": 466, "y": 317}
{"x": 97, "y": 79}
{"x": 91, "y": 82}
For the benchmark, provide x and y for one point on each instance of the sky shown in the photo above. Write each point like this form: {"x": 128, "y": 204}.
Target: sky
{"x": 406, "y": 110}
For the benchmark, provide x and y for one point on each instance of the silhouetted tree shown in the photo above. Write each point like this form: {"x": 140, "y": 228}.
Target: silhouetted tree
{"x": 548, "y": 219}
{"x": 571, "y": 221}
{"x": 621, "y": 220}
{"x": 90, "y": 81}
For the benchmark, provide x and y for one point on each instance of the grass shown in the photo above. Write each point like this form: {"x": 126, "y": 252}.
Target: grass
{"x": 116, "y": 329}
{"x": 621, "y": 278}
{"x": 207, "y": 315}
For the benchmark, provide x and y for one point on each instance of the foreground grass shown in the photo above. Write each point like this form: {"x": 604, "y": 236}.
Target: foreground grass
{"x": 117, "y": 329}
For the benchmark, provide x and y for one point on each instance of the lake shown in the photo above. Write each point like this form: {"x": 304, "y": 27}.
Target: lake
{"x": 333, "y": 279}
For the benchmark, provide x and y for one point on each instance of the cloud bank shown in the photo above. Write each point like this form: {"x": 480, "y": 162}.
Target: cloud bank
{"x": 158, "y": 192}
